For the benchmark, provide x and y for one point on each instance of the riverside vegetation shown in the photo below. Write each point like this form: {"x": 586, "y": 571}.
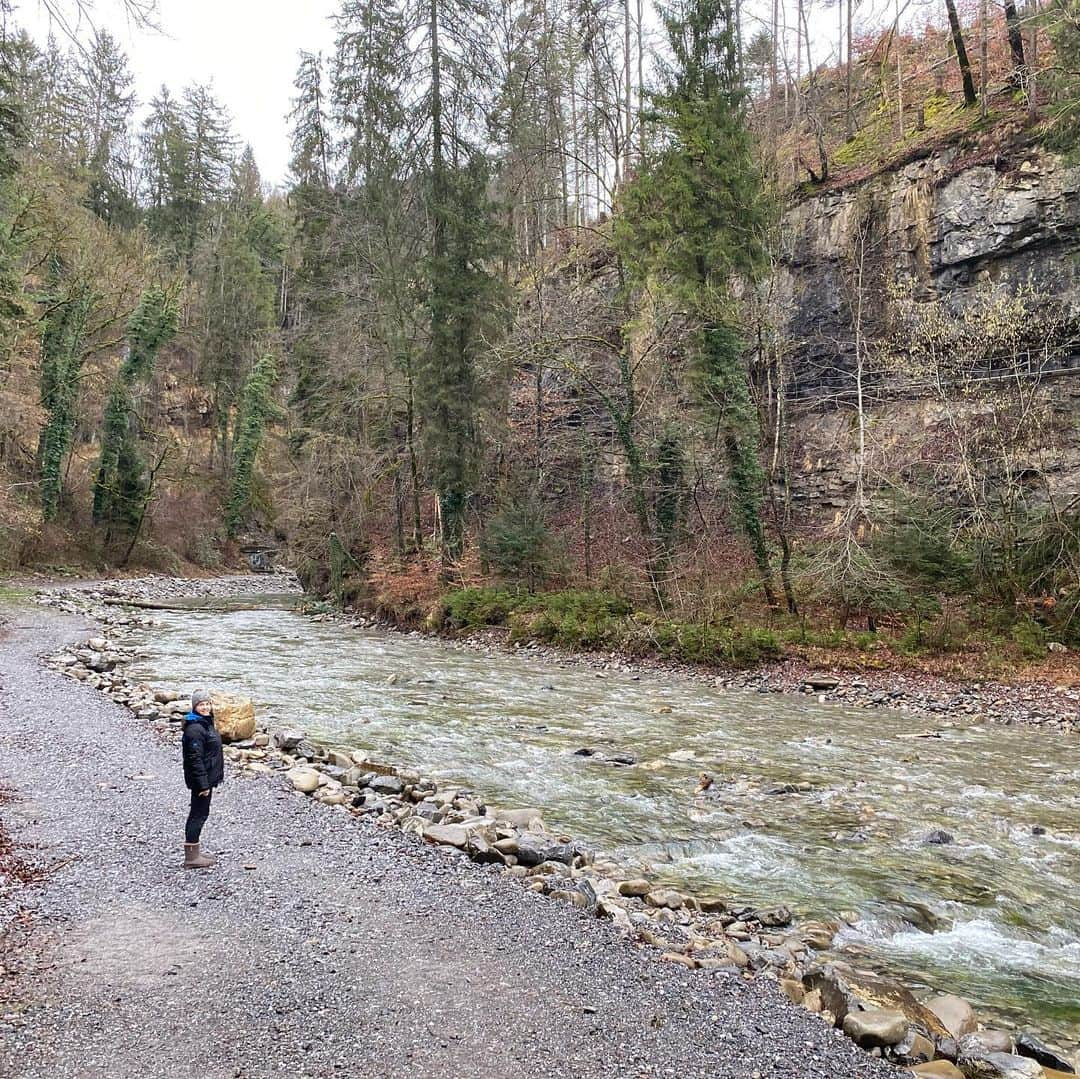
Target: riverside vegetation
{"x": 812, "y": 389}
{"x": 703, "y": 933}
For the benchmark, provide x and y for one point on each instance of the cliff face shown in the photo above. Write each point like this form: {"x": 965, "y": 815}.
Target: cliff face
{"x": 944, "y": 230}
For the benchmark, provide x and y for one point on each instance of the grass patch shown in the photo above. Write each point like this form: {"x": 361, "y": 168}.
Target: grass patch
{"x": 591, "y": 620}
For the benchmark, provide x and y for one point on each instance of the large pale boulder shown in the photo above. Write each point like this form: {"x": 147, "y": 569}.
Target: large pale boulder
{"x": 234, "y": 717}
{"x": 955, "y": 1012}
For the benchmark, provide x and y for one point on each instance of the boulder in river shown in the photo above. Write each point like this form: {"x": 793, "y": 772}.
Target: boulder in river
{"x": 937, "y": 837}
{"x": 774, "y": 918}
{"x": 938, "y": 1069}
{"x": 234, "y": 717}
{"x": 387, "y": 785}
{"x": 955, "y": 1013}
{"x": 665, "y": 897}
{"x": 535, "y": 847}
{"x": 518, "y": 818}
{"x": 634, "y": 888}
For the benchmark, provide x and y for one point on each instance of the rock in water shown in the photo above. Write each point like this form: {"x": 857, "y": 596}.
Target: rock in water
{"x": 875, "y": 1029}
{"x": 234, "y": 717}
{"x": 1000, "y": 1066}
{"x": 939, "y": 1069}
{"x": 1027, "y": 1045}
{"x": 519, "y": 818}
{"x": 955, "y": 1013}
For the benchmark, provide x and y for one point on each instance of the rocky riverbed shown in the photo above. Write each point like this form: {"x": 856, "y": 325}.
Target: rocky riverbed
{"x": 698, "y": 934}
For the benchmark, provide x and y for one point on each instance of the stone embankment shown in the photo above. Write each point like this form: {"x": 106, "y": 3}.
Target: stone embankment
{"x": 938, "y": 1037}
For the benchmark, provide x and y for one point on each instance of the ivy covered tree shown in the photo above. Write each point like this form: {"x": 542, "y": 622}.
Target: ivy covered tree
{"x": 120, "y": 484}
{"x": 257, "y": 409}
{"x": 64, "y": 328}
{"x": 694, "y": 220}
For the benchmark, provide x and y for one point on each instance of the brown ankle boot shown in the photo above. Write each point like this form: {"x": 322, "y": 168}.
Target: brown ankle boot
{"x": 193, "y": 859}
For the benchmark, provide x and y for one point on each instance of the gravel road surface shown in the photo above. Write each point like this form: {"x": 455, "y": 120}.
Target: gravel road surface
{"x": 345, "y": 950}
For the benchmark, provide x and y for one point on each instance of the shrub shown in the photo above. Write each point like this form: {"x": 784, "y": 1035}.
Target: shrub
{"x": 468, "y": 608}
{"x": 1030, "y": 638}
{"x": 518, "y": 545}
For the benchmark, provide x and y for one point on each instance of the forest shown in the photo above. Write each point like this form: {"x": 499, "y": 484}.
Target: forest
{"x": 507, "y": 348}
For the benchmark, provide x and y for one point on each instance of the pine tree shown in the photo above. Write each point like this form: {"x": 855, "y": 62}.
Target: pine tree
{"x": 372, "y": 62}
{"x": 315, "y": 211}
{"x": 105, "y": 105}
{"x": 166, "y": 166}
{"x": 695, "y": 218}
{"x": 461, "y": 289}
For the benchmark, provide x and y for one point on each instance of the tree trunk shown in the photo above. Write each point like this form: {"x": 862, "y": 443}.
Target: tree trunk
{"x": 970, "y": 97}
{"x": 1016, "y": 43}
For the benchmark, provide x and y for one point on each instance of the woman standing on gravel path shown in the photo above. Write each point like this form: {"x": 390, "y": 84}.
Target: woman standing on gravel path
{"x": 204, "y": 769}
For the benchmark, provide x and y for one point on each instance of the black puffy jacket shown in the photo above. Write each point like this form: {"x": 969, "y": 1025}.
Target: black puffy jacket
{"x": 204, "y": 759}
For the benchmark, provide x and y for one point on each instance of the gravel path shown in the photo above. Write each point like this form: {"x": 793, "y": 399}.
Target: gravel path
{"x": 347, "y": 949}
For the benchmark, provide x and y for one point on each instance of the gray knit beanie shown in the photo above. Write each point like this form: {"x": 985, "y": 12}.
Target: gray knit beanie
{"x": 199, "y": 697}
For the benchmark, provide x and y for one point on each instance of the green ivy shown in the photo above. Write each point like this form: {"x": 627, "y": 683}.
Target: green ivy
{"x": 257, "y": 408}
{"x": 61, "y": 368}
{"x": 120, "y": 482}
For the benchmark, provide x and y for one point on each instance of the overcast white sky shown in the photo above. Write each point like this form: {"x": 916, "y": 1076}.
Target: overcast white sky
{"x": 247, "y": 50}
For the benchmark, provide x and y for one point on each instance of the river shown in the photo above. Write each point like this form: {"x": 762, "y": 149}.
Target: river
{"x": 993, "y": 915}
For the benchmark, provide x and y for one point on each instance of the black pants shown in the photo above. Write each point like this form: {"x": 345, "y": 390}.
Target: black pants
{"x": 200, "y": 810}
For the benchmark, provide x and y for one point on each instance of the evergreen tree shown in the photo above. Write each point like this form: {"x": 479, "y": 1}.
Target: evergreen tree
{"x": 461, "y": 290}
{"x": 1064, "y": 17}
{"x": 314, "y": 205}
{"x": 166, "y": 165}
{"x": 695, "y": 217}
{"x": 106, "y": 103}
{"x": 238, "y": 292}
{"x": 372, "y": 63}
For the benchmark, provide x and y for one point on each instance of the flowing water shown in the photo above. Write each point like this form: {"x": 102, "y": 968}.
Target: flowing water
{"x": 993, "y": 915}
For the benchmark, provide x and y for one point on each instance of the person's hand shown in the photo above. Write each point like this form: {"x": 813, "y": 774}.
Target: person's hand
{"x": 204, "y": 794}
